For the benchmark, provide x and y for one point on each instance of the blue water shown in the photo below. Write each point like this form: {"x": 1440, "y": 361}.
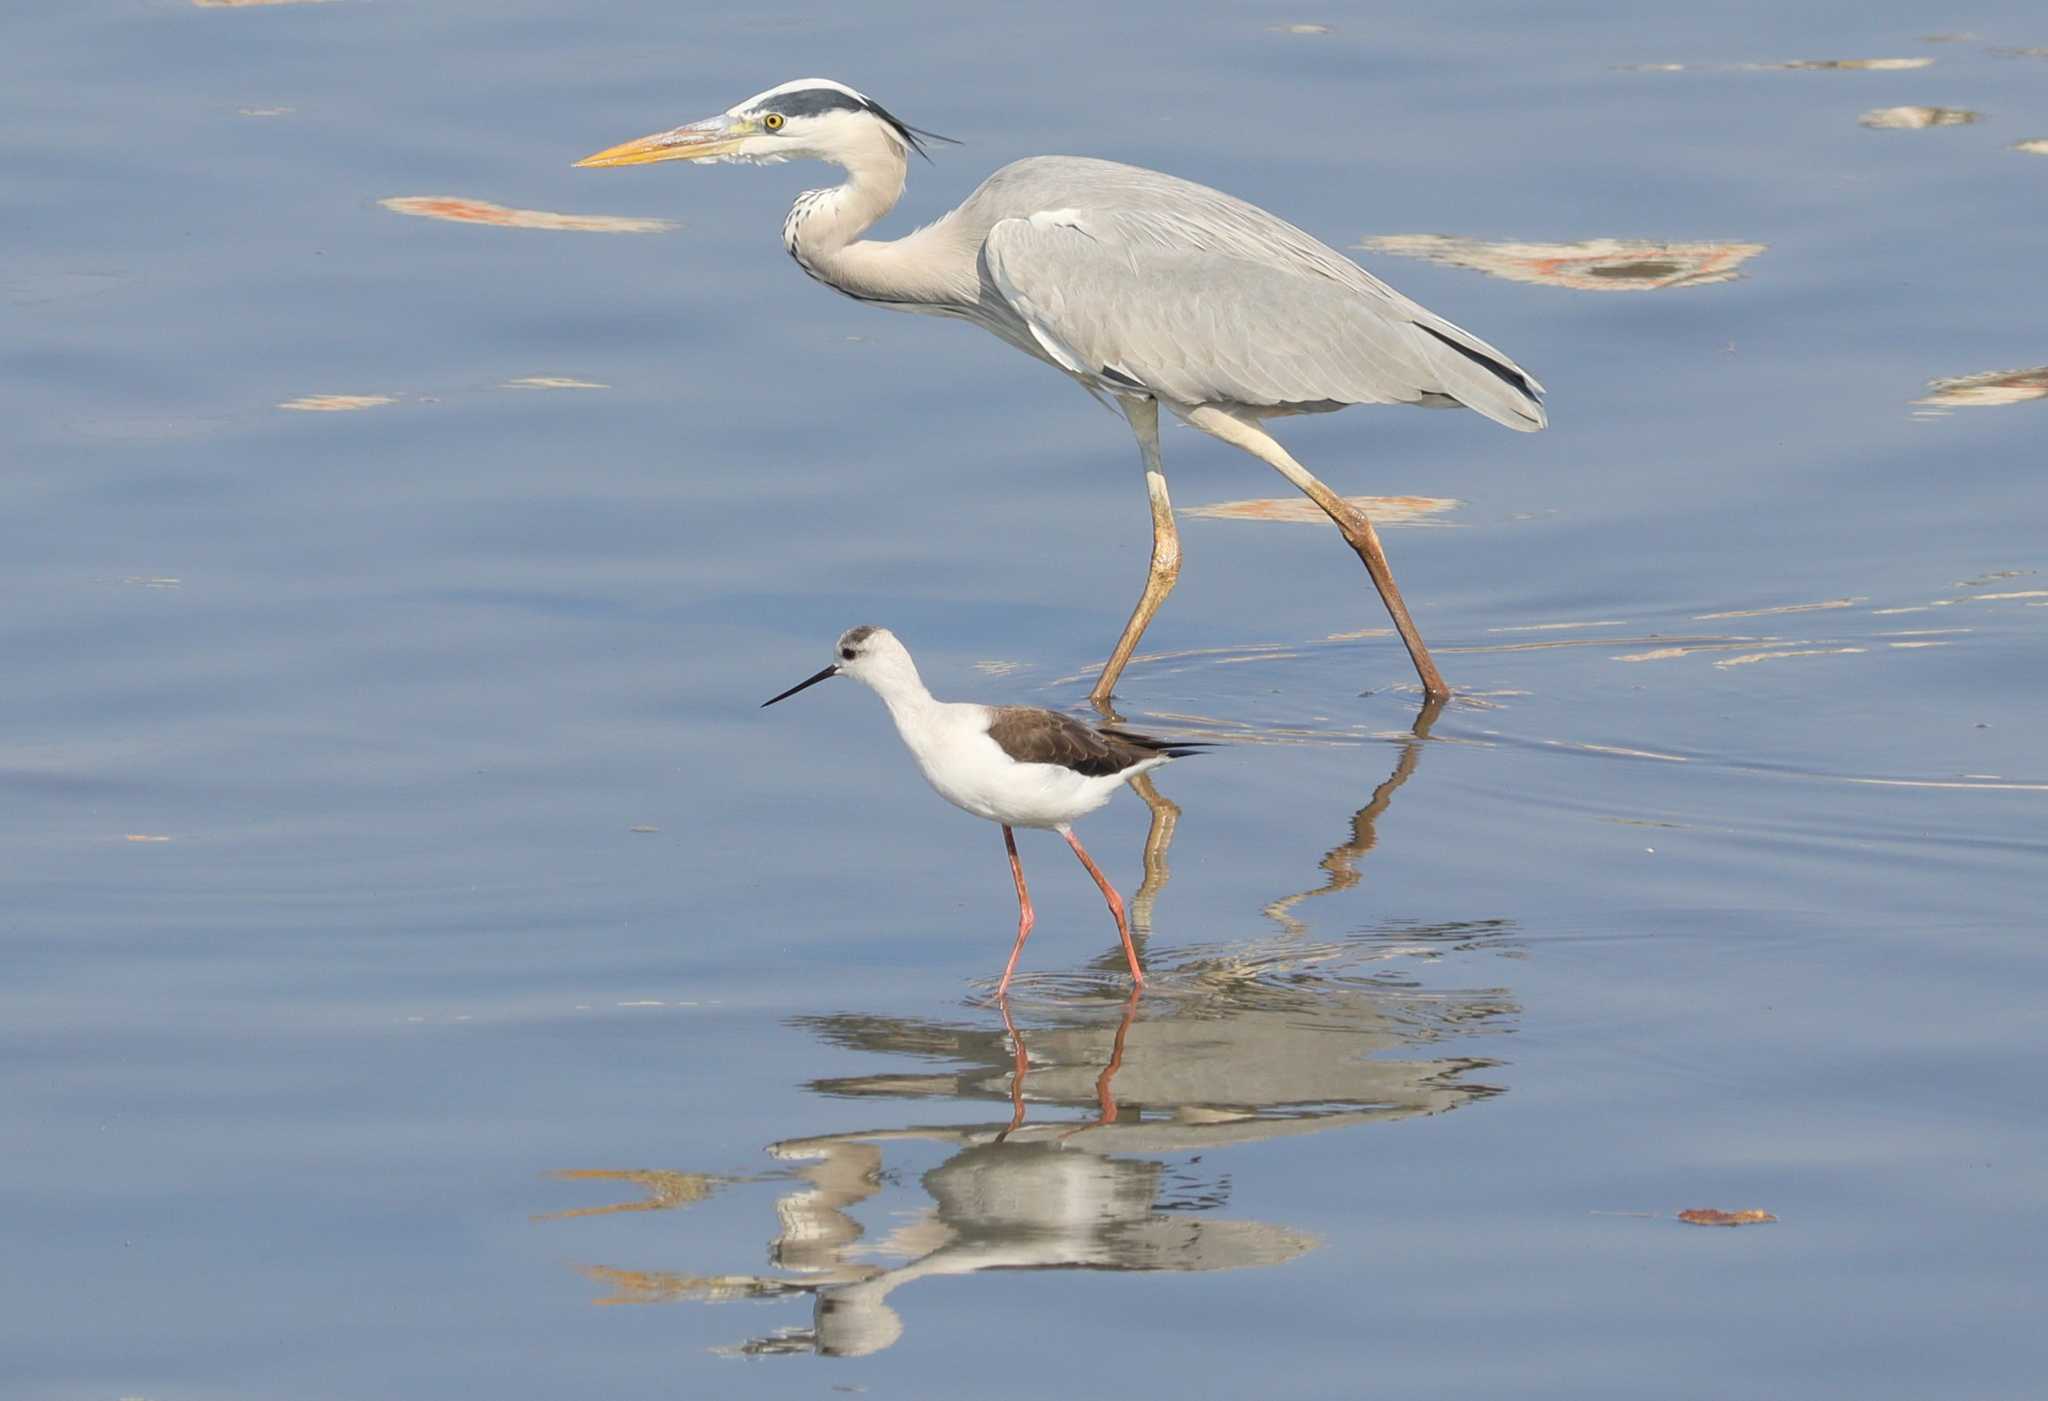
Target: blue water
{"x": 391, "y": 826}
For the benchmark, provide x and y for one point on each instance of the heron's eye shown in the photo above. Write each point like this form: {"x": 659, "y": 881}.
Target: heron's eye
{"x": 773, "y": 121}
{"x": 846, "y": 654}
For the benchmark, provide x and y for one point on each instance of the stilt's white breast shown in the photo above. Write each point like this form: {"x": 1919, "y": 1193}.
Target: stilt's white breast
{"x": 971, "y": 771}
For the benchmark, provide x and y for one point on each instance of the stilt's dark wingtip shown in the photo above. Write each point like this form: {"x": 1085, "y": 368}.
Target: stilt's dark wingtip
{"x": 1171, "y": 748}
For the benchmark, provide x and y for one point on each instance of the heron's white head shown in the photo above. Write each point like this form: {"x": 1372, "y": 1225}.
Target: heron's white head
{"x": 810, "y": 118}
{"x": 871, "y": 656}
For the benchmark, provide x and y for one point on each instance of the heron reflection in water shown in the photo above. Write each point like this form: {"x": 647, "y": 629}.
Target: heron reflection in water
{"x": 1341, "y": 862}
{"x": 1146, "y": 289}
{"x": 1235, "y": 1047}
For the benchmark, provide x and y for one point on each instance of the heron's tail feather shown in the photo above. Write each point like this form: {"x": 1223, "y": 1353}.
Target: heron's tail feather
{"x": 1476, "y": 375}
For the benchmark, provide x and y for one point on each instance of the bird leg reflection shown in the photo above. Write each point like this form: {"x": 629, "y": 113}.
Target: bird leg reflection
{"x": 1158, "y": 837}
{"x": 1356, "y": 527}
{"x": 1019, "y": 1068}
{"x": 1105, "y": 1097}
{"x": 1341, "y": 861}
{"x": 1025, "y": 917}
{"x": 1165, "y": 566}
{"x": 1158, "y": 840}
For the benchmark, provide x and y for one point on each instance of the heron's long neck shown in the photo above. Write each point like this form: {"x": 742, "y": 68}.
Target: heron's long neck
{"x": 824, "y": 228}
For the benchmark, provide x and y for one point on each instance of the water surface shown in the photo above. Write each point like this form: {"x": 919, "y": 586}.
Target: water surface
{"x": 402, "y": 875}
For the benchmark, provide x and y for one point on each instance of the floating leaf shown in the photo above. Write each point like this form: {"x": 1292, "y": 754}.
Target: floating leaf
{"x": 551, "y": 382}
{"x": 1864, "y": 65}
{"x": 1707, "y": 1216}
{"x": 1988, "y": 388}
{"x": 336, "y": 403}
{"x": 1590, "y": 265}
{"x": 1914, "y": 118}
{"x": 479, "y": 211}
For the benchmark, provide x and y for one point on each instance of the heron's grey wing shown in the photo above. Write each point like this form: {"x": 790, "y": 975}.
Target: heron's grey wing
{"x": 1111, "y": 299}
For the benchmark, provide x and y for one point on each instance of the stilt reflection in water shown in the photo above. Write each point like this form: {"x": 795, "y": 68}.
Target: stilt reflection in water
{"x": 1105, "y": 1113}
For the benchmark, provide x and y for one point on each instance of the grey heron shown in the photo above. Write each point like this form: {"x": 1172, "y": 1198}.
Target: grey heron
{"x": 1145, "y": 288}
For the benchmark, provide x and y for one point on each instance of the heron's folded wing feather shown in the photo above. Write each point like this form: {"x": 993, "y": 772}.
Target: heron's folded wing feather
{"x": 1203, "y": 324}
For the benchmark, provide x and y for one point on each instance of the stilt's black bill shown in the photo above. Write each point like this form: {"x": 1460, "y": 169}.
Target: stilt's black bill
{"x": 826, "y": 675}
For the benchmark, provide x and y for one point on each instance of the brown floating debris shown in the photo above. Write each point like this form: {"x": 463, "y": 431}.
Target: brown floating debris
{"x": 1384, "y": 510}
{"x": 1988, "y": 388}
{"x": 2034, "y": 147}
{"x": 460, "y": 210}
{"x": 1707, "y": 1216}
{"x": 263, "y": 111}
{"x": 143, "y": 837}
{"x": 1589, "y": 265}
{"x": 1914, "y": 118}
{"x": 336, "y": 403}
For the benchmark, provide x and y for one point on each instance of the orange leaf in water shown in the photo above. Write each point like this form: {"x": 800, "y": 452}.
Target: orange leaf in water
{"x": 462, "y": 210}
{"x": 1707, "y": 1216}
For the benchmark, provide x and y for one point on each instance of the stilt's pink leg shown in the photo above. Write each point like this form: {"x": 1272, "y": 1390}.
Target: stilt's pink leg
{"x": 1116, "y": 906}
{"x": 1025, "y": 918}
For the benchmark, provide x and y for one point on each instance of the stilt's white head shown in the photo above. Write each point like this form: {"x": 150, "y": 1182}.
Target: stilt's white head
{"x": 871, "y": 656}
{"x": 874, "y": 657}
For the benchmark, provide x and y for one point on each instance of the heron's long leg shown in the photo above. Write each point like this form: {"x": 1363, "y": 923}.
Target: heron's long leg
{"x": 1025, "y": 918}
{"x": 1165, "y": 566}
{"x": 1116, "y": 905}
{"x": 1357, "y": 529}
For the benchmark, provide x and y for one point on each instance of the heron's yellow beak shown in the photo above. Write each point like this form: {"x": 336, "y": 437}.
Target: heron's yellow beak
{"x": 707, "y": 140}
